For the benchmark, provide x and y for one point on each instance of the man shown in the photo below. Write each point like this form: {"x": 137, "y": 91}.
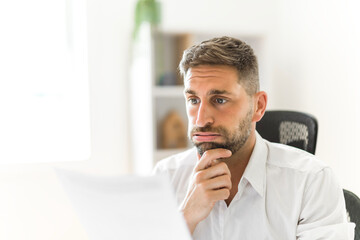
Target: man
{"x": 234, "y": 184}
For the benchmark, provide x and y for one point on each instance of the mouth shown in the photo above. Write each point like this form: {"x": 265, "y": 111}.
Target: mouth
{"x": 205, "y": 136}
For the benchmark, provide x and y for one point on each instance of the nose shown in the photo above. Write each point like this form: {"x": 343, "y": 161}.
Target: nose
{"x": 204, "y": 116}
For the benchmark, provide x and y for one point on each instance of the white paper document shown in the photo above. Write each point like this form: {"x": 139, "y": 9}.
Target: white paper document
{"x": 126, "y": 208}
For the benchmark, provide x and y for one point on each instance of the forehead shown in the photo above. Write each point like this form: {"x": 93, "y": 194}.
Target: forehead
{"x": 212, "y": 76}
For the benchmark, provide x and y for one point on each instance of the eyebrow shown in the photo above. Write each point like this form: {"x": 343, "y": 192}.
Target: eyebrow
{"x": 188, "y": 91}
{"x": 216, "y": 92}
{"x": 211, "y": 92}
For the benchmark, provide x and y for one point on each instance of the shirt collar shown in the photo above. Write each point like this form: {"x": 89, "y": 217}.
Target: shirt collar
{"x": 255, "y": 172}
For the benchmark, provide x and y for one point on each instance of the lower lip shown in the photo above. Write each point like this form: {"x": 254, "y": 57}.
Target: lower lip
{"x": 205, "y": 138}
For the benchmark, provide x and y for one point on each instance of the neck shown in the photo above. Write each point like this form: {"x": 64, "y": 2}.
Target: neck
{"x": 241, "y": 158}
{"x": 237, "y": 164}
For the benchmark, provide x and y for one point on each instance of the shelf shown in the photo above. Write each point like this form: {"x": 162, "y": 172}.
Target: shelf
{"x": 168, "y": 91}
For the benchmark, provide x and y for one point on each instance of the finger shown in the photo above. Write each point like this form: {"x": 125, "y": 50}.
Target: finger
{"x": 210, "y": 155}
{"x": 219, "y": 182}
{"x": 212, "y": 172}
{"x": 220, "y": 194}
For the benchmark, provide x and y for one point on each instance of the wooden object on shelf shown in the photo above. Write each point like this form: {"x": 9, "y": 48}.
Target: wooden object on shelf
{"x": 173, "y": 132}
{"x": 169, "y": 49}
{"x": 183, "y": 41}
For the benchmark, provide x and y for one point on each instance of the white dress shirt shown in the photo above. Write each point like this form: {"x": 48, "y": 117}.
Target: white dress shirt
{"x": 285, "y": 193}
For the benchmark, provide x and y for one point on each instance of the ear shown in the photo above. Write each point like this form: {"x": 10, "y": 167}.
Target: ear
{"x": 260, "y": 103}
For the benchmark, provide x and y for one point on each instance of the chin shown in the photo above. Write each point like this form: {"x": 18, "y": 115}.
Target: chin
{"x": 202, "y": 147}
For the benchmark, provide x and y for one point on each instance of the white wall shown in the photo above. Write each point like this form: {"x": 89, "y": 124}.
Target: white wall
{"x": 316, "y": 63}
{"x": 33, "y": 205}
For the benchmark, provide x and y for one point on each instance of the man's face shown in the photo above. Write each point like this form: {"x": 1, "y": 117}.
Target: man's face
{"x": 219, "y": 110}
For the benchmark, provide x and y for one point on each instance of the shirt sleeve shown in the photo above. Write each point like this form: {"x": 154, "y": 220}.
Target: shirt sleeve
{"x": 156, "y": 170}
{"x": 323, "y": 214}
{"x": 161, "y": 170}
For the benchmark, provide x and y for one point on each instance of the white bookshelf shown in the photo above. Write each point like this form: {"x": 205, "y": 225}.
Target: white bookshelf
{"x": 168, "y": 91}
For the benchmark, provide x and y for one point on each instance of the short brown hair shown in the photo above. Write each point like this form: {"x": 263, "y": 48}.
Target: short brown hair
{"x": 225, "y": 51}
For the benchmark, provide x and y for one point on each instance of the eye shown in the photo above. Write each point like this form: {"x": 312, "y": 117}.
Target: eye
{"x": 193, "y": 101}
{"x": 220, "y": 100}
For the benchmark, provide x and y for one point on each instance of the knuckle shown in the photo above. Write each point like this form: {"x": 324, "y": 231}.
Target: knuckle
{"x": 228, "y": 178}
{"x": 205, "y": 155}
{"x": 227, "y": 181}
{"x": 198, "y": 177}
{"x": 227, "y": 193}
{"x": 201, "y": 186}
{"x": 223, "y": 165}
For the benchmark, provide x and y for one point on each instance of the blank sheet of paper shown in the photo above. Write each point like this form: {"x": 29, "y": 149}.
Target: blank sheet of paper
{"x": 126, "y": 208}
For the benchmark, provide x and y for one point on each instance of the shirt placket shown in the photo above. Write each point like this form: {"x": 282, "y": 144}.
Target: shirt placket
{"x": 225, "y": 230}
{"x": 223, "y": 212}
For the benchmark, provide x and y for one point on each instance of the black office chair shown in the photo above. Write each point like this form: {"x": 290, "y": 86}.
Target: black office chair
{"x": 353, "y": 208}
{"x": 291, "y": 128}
{"x": 300, "y": 130}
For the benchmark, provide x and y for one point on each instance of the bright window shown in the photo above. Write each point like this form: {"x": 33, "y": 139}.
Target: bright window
{"x": 44, "y": 95}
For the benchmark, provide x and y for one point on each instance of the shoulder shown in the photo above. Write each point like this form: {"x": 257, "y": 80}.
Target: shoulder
{"x": 310, "y": 188}
{"x": 178, "y": 168}
{"x": 291, "y": 167}
{"x": 287, "y": 157}
{"x": 186, "y": 159}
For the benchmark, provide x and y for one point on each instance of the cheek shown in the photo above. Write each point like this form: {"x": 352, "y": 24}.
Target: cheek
{"x": 191, "y": 121}
{"x": 229, "y": 120}
{"x": 191, "y": 114}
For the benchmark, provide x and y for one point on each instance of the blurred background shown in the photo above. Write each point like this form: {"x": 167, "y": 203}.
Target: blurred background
{"x": 85, "y": 87}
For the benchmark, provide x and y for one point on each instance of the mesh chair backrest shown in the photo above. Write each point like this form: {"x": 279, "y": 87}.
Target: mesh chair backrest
{"x": 291, "y": 128}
